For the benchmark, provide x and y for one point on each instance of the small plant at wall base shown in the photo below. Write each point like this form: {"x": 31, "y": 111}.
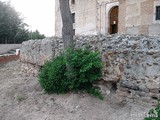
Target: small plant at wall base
{"x": 52, "y": 76}
{"x": 87, "y": 67}
{"x": 154, "y": 114}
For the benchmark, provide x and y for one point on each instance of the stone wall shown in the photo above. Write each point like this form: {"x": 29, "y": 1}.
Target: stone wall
{"x": 131, "y": 62}
{"x": 34, "y": 53}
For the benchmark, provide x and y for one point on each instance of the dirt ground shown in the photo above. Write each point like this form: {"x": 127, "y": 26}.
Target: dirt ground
{"x": 22, "y": 98}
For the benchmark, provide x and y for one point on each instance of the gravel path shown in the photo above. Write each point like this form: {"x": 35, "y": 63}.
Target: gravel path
{"x": 21, "y": 98}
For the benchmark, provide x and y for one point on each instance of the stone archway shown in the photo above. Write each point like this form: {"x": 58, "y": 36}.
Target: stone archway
{"x": 113, "y": 20}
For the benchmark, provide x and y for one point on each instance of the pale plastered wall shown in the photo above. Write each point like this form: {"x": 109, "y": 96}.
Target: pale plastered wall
{"x": 58, "y": 21}
{"x": 85, "y": 17}
{"x": 92, "y": 17}
{"x": 85, "y": 11}
{"x": 138, "y": 17}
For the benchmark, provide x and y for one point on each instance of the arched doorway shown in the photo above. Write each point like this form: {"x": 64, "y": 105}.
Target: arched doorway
{"x": 113, "y": 20}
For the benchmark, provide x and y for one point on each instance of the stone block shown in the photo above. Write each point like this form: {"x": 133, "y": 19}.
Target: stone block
{"x": 154, "y": 29}
{"x": 132, "y": 30}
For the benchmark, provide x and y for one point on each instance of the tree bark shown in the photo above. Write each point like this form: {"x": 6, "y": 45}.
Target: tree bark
{"x": 67, "y": 30}
{"x": 67, "y": 34}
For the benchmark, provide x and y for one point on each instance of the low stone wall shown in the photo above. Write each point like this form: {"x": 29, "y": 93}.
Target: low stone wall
{"x": 130, "y": 61}
{"x": 34, "y": 53}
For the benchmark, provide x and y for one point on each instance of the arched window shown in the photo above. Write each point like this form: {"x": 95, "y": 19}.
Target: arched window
{"x": 113, "y": 20}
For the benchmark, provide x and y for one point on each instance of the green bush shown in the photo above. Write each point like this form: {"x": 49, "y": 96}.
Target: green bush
{"x": 154, "y": 114}
{"x": 95, "y": 92}
{"x": 52, "y": 76}
{"x": 86, "y": 68}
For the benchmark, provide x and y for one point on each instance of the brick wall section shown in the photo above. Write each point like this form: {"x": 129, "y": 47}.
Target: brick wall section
{"x": 5, "y": 59}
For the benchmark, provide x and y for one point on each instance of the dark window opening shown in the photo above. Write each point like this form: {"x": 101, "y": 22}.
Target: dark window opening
{"x": 113, "y": 20}
{"x": 114, "y": 29}
{"x": 157, "y": 12}
{"x": 73, "y": 17}
{"x": 74, "y": 31}
{"x": 73, "y": 1}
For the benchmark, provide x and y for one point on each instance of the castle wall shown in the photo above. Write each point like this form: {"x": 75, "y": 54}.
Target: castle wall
{"x": 58, "y": 19}
{"x": 103, "y": 11}
{"x": 85, "y": 12}
{"x": 85, "y": 17}
{"x": 92, "y": 17}
{"x": 138, "y": 17}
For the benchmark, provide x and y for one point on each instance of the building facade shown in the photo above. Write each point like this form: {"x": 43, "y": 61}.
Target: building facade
{"x": 112, "y": 16}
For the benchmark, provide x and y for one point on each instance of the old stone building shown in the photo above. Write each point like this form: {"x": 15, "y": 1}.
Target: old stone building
{"x": 112, "y": 16}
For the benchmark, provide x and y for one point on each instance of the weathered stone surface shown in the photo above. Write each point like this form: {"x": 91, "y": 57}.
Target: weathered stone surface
{"x": 39, "y": 51}
{"x": 131, "y": 61}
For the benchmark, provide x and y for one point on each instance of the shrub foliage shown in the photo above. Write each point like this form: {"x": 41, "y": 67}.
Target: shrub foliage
{"x": 52, "y": 76}
{"x": 86, "y": 66}
{"x": 154, "y": 114}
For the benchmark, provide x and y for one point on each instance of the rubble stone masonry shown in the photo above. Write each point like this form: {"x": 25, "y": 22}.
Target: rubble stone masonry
{"x": 132, "y": 62}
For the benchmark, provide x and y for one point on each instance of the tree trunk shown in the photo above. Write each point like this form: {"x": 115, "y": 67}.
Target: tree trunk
{"x": 67, "y": 30}
{"x": 67, "y": 34}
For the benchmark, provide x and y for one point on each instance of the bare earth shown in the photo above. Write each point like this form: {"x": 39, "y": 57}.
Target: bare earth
{"x": 22, "y": 98}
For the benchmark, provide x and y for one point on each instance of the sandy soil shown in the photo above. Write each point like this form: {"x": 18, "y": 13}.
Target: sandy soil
{"x": 22, "y": 98}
